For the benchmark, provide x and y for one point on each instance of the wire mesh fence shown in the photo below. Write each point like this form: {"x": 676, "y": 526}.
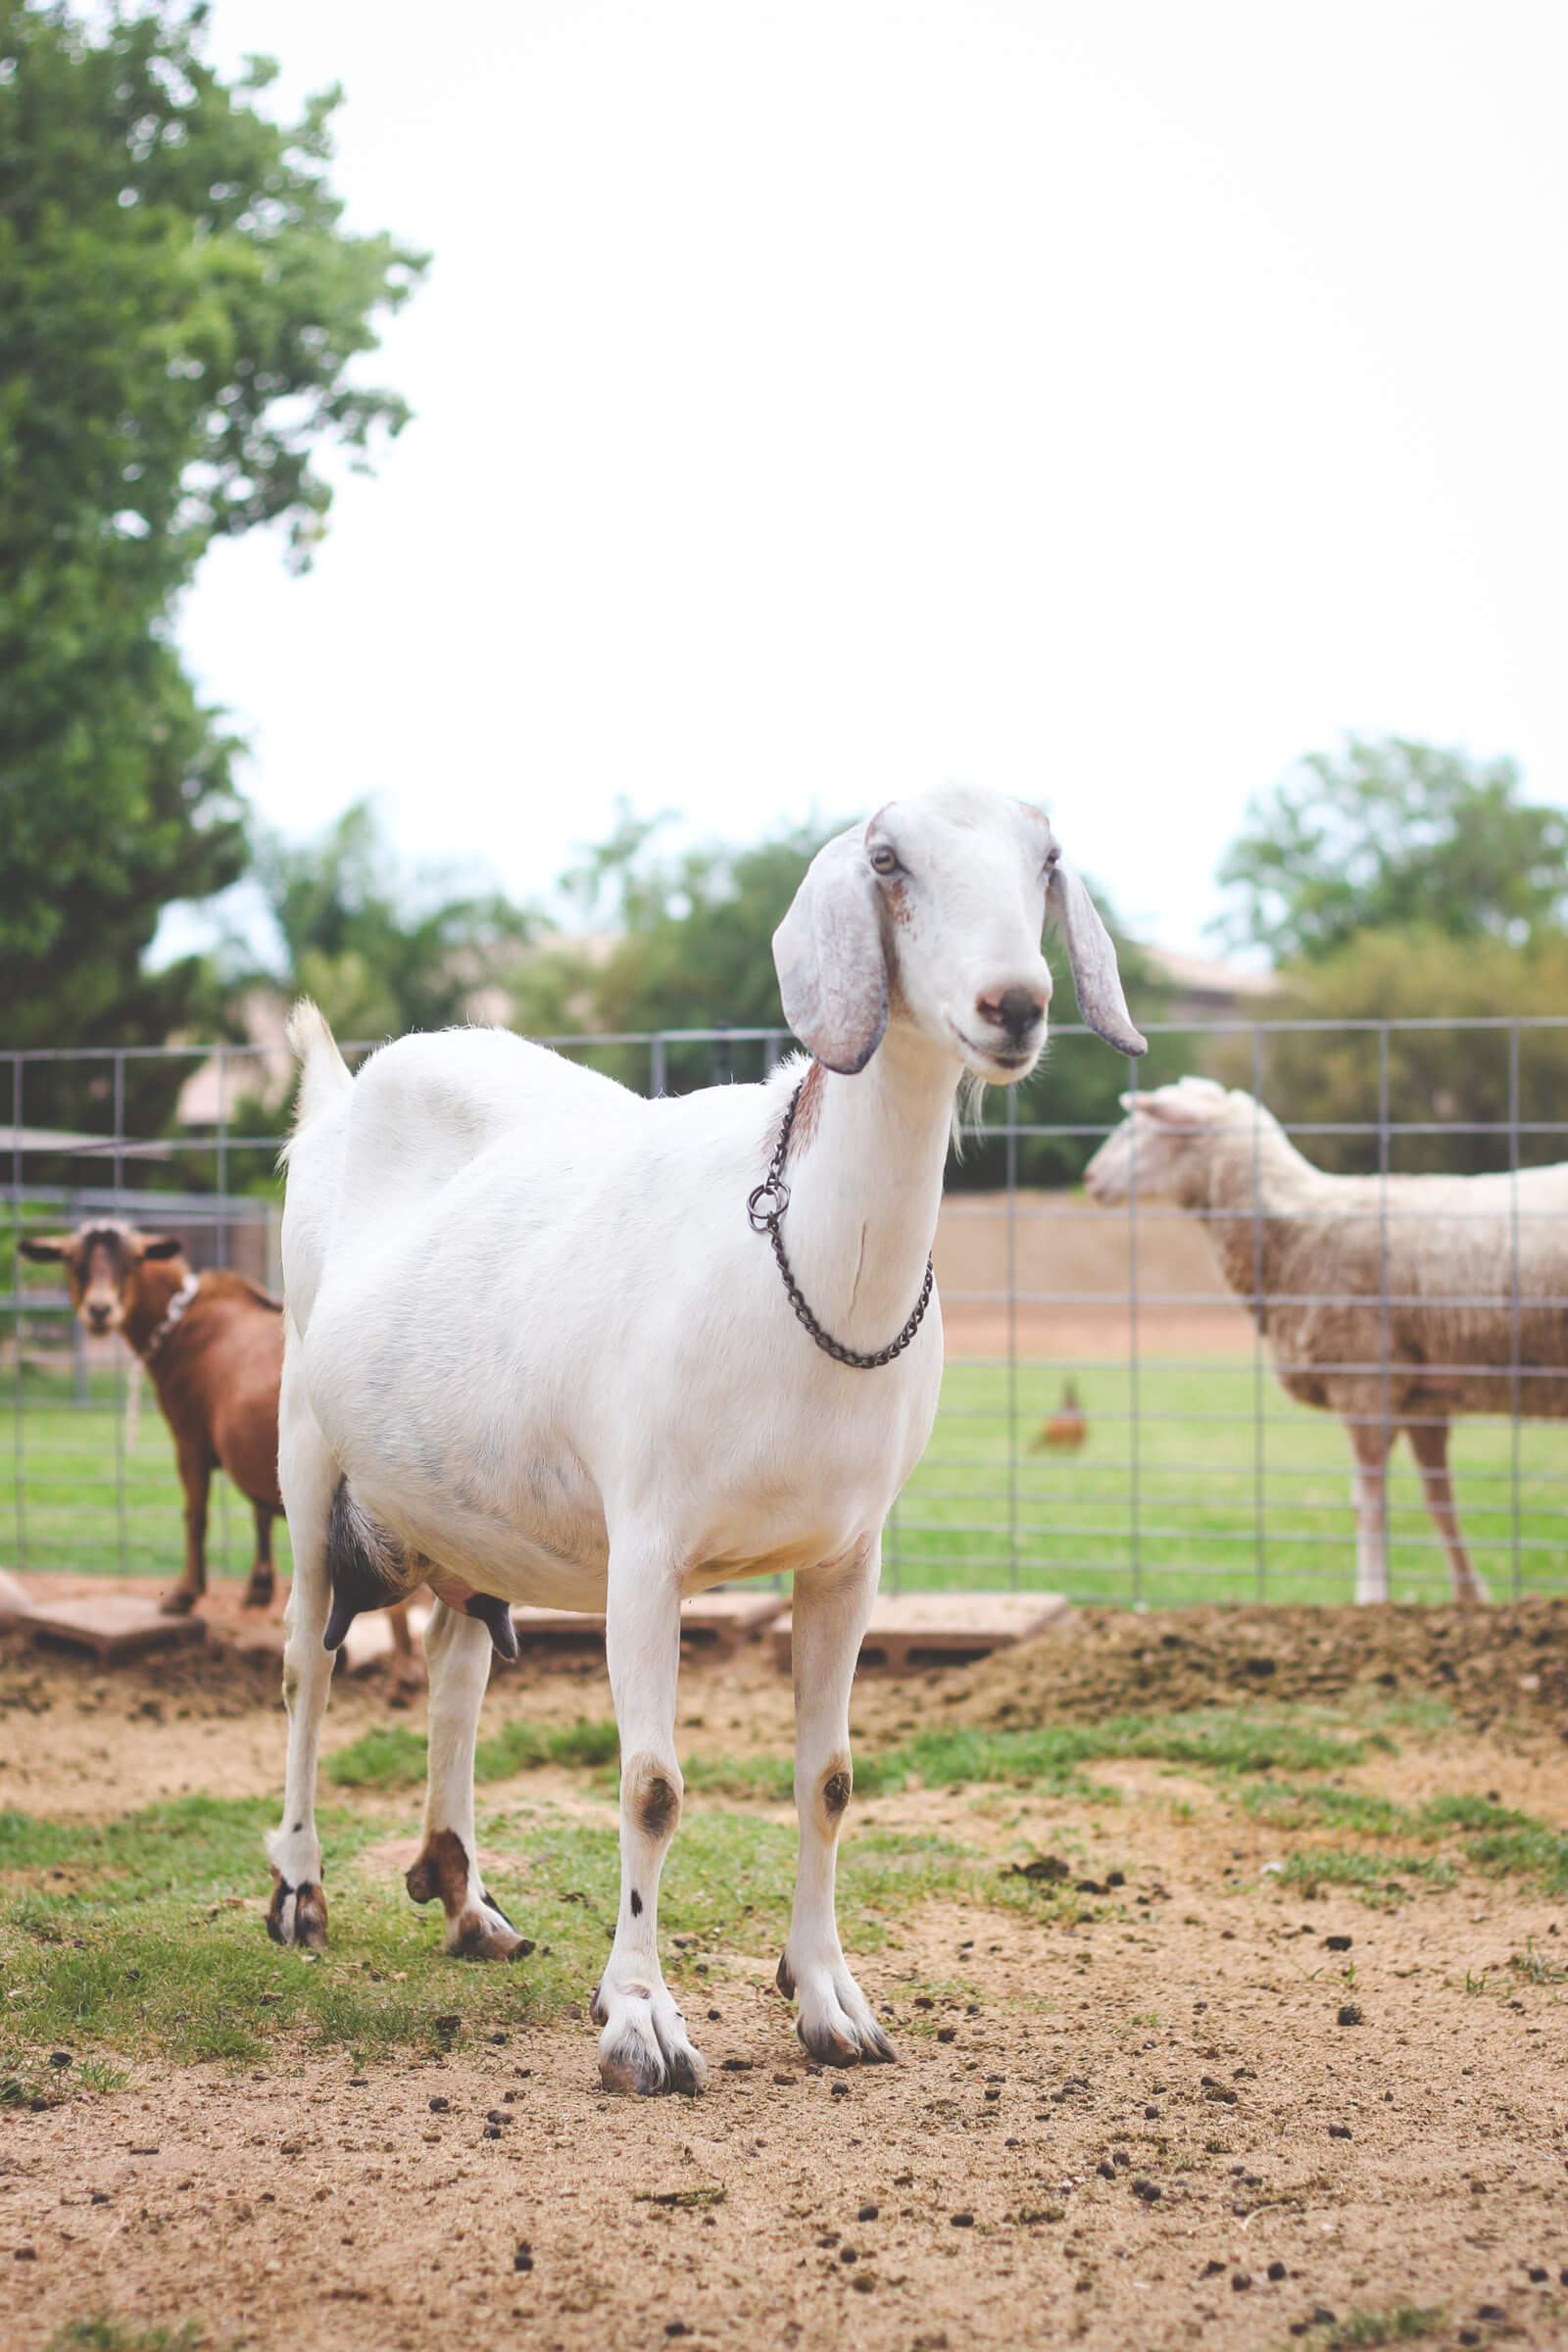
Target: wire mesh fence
{"x": 1113, "y": 1422}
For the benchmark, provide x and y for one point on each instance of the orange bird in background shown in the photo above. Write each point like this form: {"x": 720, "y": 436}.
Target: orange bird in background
{"x": 1066, "y": 1429}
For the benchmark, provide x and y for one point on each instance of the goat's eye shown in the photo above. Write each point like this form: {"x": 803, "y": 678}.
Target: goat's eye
{"x": 884, "y": 860}
{"x": 1052, "y": 861}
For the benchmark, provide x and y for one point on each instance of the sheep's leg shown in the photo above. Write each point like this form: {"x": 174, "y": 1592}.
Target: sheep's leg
{"x": 259, "y": 1592}
{"x": 644, "y": 2045}
{"x": 1370, "y": 1442}
{"x": 827, "y": 1620}
{"x": 195, "y": 1476}
{"x": 458, "y": 1650}
{"x": 408, "y": 1674}
{"x": 1429, "y": 1442}
{"x": 308, "y": 1476}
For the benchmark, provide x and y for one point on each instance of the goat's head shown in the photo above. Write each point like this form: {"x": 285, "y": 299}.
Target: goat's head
{"x": 929, "y": 915}
{"x": 1162, "y": 1150}
{"x": 101, "y": 1262}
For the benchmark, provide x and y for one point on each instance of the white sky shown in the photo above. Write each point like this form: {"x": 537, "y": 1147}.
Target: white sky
{"x": 821, "y": 400}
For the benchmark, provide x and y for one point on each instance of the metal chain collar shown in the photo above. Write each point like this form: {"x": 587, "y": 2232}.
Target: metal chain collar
{"x": 774, "y": 1189}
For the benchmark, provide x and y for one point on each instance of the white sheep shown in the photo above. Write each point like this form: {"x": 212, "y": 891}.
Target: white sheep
{"x": 1396, "y": 1301}
{"x": 539, "y": 1351}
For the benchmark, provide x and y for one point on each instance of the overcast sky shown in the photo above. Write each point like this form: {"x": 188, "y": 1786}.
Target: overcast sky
{"x": 827, "y": 400}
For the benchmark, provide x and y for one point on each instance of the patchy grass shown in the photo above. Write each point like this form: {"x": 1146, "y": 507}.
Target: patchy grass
{"x": 1401, "y": 2324}
{"x": 1373, "y": 1875}
{"x": 1492, "y": 1838}
{"x": 111, "y": 2335}
{"x": 151, "y": 1941}
{"x": 390, "y": 1756}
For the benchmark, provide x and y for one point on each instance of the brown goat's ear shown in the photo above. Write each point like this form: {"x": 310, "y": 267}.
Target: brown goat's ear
{"x": 52, "y": 1246}
{"x": 161, "y": 1244}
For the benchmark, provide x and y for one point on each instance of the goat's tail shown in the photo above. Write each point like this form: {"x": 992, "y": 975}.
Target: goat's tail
{"x": 325, "y": 1075}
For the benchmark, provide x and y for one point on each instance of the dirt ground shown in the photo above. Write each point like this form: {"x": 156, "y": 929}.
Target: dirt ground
{"x": 1139, "y": 2125}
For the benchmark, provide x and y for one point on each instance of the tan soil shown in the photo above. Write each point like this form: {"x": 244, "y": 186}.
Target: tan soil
{"x": 288, "y": 2205}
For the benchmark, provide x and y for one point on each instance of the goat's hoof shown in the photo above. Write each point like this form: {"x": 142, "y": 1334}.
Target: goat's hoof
{"x": 484, "y": 1931}
{"x": 643, "y": 2050}
{"x": 297, "y": 1915}
{"x": 179, "y": 1602}
{"x": 259, "y": 1592}
{"x": 836, "y": 2026}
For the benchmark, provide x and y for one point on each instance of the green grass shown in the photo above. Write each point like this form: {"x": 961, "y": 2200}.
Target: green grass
{"x": 1492, "y": 1838}
{"x": 1401, "y": 2324}
{"x": 390, "y": 1756}
{"x": 150, "y": 1942}
{"x": 1050, "y": 1756}
{"x": 981, "y": 1511}
{"x": 111, "y": 2335}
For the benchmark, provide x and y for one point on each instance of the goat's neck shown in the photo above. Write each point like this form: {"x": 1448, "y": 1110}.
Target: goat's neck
{"x": 156, "y": 1282}
{"x": 864, "y": 1174}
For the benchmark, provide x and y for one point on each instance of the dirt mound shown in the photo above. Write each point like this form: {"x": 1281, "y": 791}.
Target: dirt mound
{"x": 1491, "y": 1665}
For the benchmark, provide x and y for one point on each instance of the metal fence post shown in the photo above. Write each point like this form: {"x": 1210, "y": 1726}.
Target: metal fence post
{"x": 1385, "y": 1333}
{"x": 18, "y": 1400}
{"x": 1516, "y": 1314}
{"x": 1012, "y": 1336}
{"x": 120, "y": 1544}
{"x": 1259, "y": 1539}
{"x": 1134, "y": 1528}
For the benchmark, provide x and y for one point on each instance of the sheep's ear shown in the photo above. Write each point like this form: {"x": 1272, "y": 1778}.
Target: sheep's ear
{"x": 53, "y": 1245}
{"x": 1095, "y": 976}
{"x": 161, "y": 1244}
{"x": 832, "y": 973}
{"x": 1188, "y": 1103}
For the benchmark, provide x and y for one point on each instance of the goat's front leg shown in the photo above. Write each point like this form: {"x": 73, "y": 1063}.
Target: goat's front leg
{"x": 1369, "y": 1443}
{"x": 828, "y": 1616}
{"x": 644, "y": 2045}
{"x": 1429, "y": 1442}
{"x": 195, "y": 1476}
{"x": 259, "y": 1592}
{"x": 457, "y": 1651}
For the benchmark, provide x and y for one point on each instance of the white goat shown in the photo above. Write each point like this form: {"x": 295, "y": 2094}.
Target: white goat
{"x": 537, "y": 1350}
{"x": 1394, "y": 1301}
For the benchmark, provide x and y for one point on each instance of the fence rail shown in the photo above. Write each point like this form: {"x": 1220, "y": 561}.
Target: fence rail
{"x": 1195, "y": 1476}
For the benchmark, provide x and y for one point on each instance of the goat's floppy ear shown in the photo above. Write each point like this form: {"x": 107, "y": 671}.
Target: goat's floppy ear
{"x": 161, "y": 1244}
{"x": 1095, "y": 976}
{"x": 828, "y": 952}
{"x": 53, "y": 1245}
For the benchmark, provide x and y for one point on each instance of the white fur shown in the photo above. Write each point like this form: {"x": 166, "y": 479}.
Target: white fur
{"x": 532, "y": 1326}
{"x": 1396, "y": 1301}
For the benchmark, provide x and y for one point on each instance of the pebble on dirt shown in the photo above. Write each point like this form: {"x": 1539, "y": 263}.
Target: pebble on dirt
{"x": 867, "y": 2212}
{"x": 1275, "y": 2270}
{"x": 1240, "y": 2281}
{"x": 1149, "y": 2191}
{"x": 963, "y": 2221}
{"x": 1339, "y": 2131}
{"x": 522, "y": 2259}
{"x": 1351, "y": 2014}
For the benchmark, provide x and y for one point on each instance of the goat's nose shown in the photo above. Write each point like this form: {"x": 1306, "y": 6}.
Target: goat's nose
{"x": 98, "y": 1317}
{"x": 1018, "y": 1011}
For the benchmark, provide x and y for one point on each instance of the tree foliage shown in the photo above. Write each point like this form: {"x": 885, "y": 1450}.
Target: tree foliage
{"x": 1390, "y": 834}
{"x": 381, "y": 953}
{"x": 179, "y": 308}
{"x": 1450, "y": 1088}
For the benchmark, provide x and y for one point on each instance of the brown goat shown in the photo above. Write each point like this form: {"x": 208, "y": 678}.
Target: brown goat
{"x": 213, "y": 1345}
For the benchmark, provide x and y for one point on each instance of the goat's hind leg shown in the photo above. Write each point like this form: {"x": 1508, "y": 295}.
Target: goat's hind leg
{"x": 644, "y": 2046}
{"x": 457, "y": 1651}
{"x": 827, "y": 1621}
{"x": 308, "y": 1476}
{"x": 1429, "y": 1442}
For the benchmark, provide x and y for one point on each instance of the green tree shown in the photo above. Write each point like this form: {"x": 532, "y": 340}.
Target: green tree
{"x": 1449, "y": 1086}
{"x": 179, "y": 308}
{"x": 1392, "y": 833}
{"x": 380, "y": 952}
